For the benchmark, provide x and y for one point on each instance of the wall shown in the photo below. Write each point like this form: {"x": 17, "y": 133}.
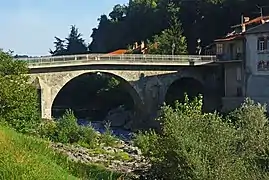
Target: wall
{"x": 237, "y": 48}
{"x": 233, "y": 79}
{"x": 257, "y": 81}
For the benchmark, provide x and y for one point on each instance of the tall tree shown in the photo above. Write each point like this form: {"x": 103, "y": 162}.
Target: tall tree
{"x": 171, "y": 40}
{"x": 59, "y": 47}
{"x": 201, "y": 19}
{"x": 118, "y": 12}
{"x": 75, "y": 43}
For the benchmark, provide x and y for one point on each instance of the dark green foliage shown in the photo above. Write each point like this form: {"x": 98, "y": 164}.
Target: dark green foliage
{"x": 18, "y": 98}
{"x": 88, "y": 136}
{"x": 67, "y": 128}
{"x": 194, "y": 145}
{"x": 74, "y": 44}
{"x": 59, "y": 47}
{"x": 107, "y": 138}
{"x": 48, "y": 129}
{"x": 142, "y": 19}
{"x": 170, "y": 40}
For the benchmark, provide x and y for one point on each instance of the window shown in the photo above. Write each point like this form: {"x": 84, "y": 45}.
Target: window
{"x": 262, "y": 43}
{"x": 219, "y": 48}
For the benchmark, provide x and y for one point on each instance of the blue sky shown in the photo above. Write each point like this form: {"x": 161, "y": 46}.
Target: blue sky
{"x": 29, "y": 26}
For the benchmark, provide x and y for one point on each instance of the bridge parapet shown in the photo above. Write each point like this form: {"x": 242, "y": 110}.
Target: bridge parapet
{"x": 124, "y": 59}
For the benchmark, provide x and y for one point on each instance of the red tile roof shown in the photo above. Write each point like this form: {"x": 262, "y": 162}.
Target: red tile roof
{"x": 119, "y": 51}
{"x": 257, "y": 20}
{"x": 229, "y": 38}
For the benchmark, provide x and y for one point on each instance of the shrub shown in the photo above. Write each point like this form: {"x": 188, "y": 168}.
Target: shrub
{"x": 145, "y": 141}
{"x": 18, "y": 98}
{"x": 252, "y": 133}
{"x": 67, "y": 128}
{"x": 107, "y": 137}
{"x": 48, "y": 129}
{"x": 88, "y": 136}
{"x": 194, "y": 145}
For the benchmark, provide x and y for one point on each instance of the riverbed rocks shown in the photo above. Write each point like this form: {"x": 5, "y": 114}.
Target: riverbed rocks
{"x": 119, "y": 117}
{"x": 124, "y": 158}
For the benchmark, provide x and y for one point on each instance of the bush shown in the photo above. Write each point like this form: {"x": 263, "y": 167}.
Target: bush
{"x": 193, "y": 145}
{"x": 145, "y": 141}
{"x": 18, "y": 98}
{"x": 107, "y": 137}
{"x": 67, "y": 128}
{"x": 48, "y": 129}
{"x": 88, "y": 136}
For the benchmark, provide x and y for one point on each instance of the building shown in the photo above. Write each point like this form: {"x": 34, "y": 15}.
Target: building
{"x": 244, "y": 55}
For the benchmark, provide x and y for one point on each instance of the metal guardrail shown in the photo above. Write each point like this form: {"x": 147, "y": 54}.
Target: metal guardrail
{"x": 130, "y": 58}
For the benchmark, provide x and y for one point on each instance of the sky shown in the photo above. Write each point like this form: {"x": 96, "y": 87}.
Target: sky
{"x": 28, "y": 27}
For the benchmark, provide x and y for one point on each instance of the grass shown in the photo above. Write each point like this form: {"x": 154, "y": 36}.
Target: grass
{"x": 24, "y": 157}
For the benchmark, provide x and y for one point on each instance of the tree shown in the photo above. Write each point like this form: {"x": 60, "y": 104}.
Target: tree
{"x": 205, "y": 20}
{"x": 171, "y": 40}
{"x": 75, "y": 44}
{"x": 18, "y": 98}
{"x": 59, "y": 47}
{"x": 118, "y": 12}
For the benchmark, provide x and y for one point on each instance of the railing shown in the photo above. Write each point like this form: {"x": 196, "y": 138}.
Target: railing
{"x": 128, "y": 58}
{"x": 230, "y": 57}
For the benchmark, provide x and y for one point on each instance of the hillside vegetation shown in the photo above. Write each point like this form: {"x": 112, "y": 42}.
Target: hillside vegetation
{"x": 24, "y": 157}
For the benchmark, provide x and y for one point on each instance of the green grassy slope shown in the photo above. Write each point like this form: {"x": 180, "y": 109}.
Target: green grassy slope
{"x": 23, "y": 157}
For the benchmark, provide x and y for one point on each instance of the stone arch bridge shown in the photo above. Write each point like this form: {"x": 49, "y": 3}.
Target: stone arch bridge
{"x": 147, "y": 80}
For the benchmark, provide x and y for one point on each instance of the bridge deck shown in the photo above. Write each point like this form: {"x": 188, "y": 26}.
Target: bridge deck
{"x": 125, "y": 59}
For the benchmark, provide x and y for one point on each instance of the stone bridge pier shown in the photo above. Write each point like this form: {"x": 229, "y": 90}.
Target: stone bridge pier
{"x": 147, "y": 88}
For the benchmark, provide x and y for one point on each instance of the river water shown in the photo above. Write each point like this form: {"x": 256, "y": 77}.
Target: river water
{"x": 121, "y": 133}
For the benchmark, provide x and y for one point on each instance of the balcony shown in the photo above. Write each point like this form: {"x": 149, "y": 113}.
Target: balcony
{"x": 229, "y": 57}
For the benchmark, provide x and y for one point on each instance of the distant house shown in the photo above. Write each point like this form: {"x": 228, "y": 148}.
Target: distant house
{"x": 136, "y": 49}
{"x": 119, "y": 51}
{"x": 244, "y": 54}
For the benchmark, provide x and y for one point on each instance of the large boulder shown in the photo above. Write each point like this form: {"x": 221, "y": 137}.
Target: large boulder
{"x": 118, "y": 117}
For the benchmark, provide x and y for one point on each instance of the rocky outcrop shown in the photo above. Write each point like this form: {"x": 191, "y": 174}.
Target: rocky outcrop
{"x": 119, "y": 117}
{"x": 125, "y": 158}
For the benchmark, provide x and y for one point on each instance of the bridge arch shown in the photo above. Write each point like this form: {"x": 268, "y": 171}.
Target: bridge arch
{"x": 127, "y": 86}
{"x": 52, "y": 83}
{"x": 192, "y": 85}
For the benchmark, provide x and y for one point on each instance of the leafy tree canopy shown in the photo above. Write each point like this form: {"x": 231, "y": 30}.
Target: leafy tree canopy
{"x": 171, "y": 40}
{"x": 73, "y": 44}
{"x": 18, "y": 98}
{"x": 143, "y": 19}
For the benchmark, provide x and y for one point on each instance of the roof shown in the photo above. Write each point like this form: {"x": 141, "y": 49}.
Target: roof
{"x": 230, "y": 38}
{"x": 262, "y": 28}
{"x": 257, "y": 20}
{"x": 119, "y": 51}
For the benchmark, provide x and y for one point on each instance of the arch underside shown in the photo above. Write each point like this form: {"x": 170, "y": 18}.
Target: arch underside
{"x": 126, "y": 90}
{"x": 184, "y": 85}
